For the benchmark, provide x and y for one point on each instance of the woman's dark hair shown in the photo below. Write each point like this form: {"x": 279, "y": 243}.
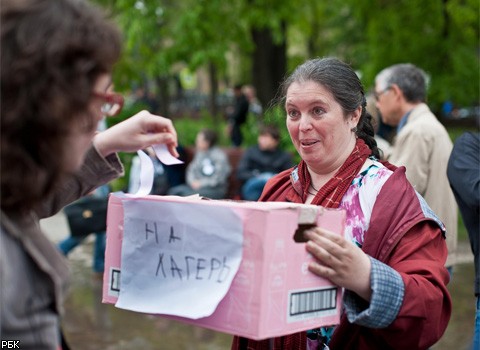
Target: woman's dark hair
{"x": 342, "y": 81}
{"x": 210, "y": 136}
{"x": 53, "y": 52}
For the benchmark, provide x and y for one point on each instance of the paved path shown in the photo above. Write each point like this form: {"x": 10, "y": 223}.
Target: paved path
{"x": 56, "y": 227}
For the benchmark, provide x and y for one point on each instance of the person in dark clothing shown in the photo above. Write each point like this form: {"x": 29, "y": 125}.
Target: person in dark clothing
{"x": 164, "y": 176}
{"x": 260, "y": 162}
{"x": 463, "y": 173}
{"x": 238, "y": 116}
{"x": 176, "y": 172}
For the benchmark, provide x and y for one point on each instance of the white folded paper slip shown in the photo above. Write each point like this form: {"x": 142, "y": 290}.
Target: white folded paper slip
{"x": 234, "y": 267}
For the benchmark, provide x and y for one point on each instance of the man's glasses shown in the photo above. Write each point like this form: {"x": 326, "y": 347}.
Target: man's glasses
{"x": 378, "y": 94}
{"x": 113, "y": 103}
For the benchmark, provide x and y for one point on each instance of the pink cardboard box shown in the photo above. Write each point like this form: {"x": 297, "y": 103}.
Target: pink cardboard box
{"x": 273, "y": 293}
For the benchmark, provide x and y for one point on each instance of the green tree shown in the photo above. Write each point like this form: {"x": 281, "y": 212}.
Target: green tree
{"x": 268, "y": 38}
{"x": 440, "y": 36}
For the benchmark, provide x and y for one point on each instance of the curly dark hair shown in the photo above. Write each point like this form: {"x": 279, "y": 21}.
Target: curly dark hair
{"x": 342, "y": 81}
{"x": 53, "y": 52}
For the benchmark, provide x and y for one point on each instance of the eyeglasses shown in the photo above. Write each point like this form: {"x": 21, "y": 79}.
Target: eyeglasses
{"x": 378, "y": 94}
{"x": 113, "y": 103}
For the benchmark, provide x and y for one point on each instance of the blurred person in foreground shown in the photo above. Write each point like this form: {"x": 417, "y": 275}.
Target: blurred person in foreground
{"x": 463, "y": 173}
{"x": 422, "y": 144}
{"x": 391, "y": 261}
{"x": 56, "y": 63}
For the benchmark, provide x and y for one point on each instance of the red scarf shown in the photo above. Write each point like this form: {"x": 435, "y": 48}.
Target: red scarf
{"x": 329, "y": 196}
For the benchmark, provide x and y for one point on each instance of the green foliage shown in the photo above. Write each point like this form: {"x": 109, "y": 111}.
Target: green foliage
{"x": 455, "y": 132}
{"x": 187, "y": 128}
{"x": 462, "y": 230}
{"x": 442, "y": 37}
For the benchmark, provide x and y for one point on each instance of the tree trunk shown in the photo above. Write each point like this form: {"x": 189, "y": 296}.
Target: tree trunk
{"x": 163, "y": 96}
{"x": 212, "y": 70}
{"x": 269, "y": 64}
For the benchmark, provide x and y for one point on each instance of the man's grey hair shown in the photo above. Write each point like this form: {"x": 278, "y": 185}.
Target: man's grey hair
{"x": 409, "y": 78}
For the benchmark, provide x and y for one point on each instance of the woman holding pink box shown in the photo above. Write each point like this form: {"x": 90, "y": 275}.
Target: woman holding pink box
{"x": 391, "y": 261}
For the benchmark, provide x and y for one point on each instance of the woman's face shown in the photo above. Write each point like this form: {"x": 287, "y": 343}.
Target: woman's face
{"x": 80, "y": 138}
{"x": 318, "y": 128}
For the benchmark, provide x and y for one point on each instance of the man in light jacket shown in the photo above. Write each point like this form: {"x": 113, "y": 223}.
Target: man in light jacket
{"x": 422, "y": 143}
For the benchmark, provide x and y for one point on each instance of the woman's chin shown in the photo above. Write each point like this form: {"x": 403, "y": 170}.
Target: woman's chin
{"x": 309, "y": 153}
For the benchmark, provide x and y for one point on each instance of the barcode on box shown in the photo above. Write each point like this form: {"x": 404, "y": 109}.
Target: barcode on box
{"x": 114, "y": 282}
{"x": 314, "y": 303}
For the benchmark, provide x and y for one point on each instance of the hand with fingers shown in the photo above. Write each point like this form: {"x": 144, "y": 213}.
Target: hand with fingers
{"x": 340, "y": 261}
{"x": 137, "y": 132}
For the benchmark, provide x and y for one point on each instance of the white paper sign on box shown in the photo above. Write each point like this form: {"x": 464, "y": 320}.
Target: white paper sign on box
{"x": 271, "y": 294}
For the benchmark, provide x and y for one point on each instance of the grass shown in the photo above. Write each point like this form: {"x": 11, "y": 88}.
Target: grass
{"x": 462, "y": 231}
{"x": 456, "y": 131}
